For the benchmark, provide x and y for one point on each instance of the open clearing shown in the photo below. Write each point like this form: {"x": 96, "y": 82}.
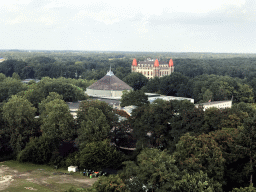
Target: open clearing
{"x": 15, "y": 177}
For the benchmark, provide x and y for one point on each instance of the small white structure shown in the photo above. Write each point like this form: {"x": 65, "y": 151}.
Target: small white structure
{"x": 73, "y": 168}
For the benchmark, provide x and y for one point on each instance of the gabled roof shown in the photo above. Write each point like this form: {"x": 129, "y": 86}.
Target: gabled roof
{"x": 110, "y": 82}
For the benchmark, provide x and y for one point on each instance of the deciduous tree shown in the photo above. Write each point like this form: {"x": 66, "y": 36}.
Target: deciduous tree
{"x": 19, "y": 115}
{"x": 57, "y": 122}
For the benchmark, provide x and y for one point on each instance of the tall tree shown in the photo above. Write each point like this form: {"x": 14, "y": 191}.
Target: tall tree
{"x": 154, "y": 170}
{"x": 171, "y": 84}
{"x": 200, "y": 153}
{"x": 52, "y": 96}
{"x": 94, "y": 128}
{"x": 248, "y": 144}
{"x": 19, "y": 115}
{"x": 99, "y": 155}
{"x": 9, "y": 87}
{"x": 57, "y": 122}
{"x": 103, "y": 106}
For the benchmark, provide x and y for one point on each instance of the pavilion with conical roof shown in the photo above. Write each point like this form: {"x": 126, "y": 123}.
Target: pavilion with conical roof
{"x": 108, "y": 86}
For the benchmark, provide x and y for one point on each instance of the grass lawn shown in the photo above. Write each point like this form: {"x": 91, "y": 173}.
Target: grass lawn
{"x": 40, "y": 178}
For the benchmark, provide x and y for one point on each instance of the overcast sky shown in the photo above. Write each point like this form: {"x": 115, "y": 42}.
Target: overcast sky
{"x": 135, "y": 25}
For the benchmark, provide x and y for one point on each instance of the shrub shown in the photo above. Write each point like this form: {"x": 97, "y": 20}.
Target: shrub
{"x": 113, "y": 183}
{"x": 37, "y": 150}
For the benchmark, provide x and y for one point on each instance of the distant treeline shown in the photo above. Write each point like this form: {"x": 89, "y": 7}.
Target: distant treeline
{"x": 202, "y": 76}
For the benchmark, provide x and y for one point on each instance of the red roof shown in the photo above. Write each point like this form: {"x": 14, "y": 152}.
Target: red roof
{"x": 171, "y": 63}
{"x": 156, "y": 64}
{"x": 134, "y": 62}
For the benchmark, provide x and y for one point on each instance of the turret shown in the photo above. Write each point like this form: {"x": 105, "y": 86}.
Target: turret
{"x": 156, "y": 64}
{"x": 134, "y": 62}
{"x": 171, "y": 63}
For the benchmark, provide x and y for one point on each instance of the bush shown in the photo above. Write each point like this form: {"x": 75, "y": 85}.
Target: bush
{"x": 113, "y": 183}
{"x": 37, "y": 150}
{"x": 57, "y": 160}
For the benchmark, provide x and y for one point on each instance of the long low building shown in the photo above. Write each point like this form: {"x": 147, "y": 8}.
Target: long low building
{"x": 169, "y": 98}
{"x": 216, "y": 104}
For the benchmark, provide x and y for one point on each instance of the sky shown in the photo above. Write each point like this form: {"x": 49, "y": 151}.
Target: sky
{"x": 220, "y": 26}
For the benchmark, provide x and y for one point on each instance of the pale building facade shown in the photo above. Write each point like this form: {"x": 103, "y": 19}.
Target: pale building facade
{"x": 216, "y": 104}
{"x": 151, "y": 68}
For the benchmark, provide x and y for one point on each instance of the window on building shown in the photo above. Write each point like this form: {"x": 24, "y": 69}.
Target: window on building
{"x": 151, "y": 73}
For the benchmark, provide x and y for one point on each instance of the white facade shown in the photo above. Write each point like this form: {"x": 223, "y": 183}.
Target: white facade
{"x": 104, "y": 93}
{"x": 169, "y": 98}
{"x": 216, "y": 104}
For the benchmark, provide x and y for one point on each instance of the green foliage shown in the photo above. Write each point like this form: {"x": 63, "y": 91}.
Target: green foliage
{"x": 246, "y": 108}
{"x": 18, "y": 113}
{"x": 200, "y": 153}
{"x": 157, "y": 123}
{"x": 94, "y": 128}
{"x": 33, "y": 93}
{"x": 196, "y": 182}
{"x": 2, "y": 77}
{"x": 247, "y": 143}
{"x": 99, "y": 155}
{"x": 112, "y": 183}
{"x": 15, "y": 76}
{"x": 245, "y": 189}
{"x": 103, "y": 106}
{"x": 38, "y": 151}
{"x": 245, "y": 93}
{"x": 172, "y": 85}
{"x": 219, "y": 88}
{"x": 136, "y": 80}
{"x": 52, "y": 96}
{"x": 207, "y": 96}
{"x": 152, "y": 85}
{"x": 69, "y": 91}
{"x": 73, "y": 159}
{"x": 213, "y": 118}
{"x": 154, "y": 171}
{"x": 57, "y": 122}
{"x": 137, "y": 98}
{"x": 8, "y": 67}
{"x": 9, "y": 87}
{"x": 234, "y": 155}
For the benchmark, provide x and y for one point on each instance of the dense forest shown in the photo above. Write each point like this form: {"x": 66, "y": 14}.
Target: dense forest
{"x": 178, "y": 147}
